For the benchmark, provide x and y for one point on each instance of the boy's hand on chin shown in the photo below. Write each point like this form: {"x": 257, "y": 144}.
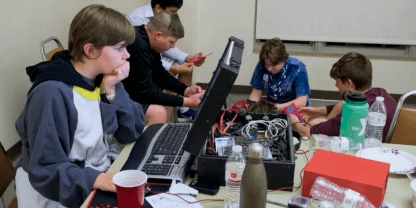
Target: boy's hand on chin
{"x": 110, "y": 80}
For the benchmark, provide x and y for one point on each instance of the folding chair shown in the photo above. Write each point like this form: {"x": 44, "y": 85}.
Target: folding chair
{"x": 403, "y": 125}
{"x": 6, "y": 176}
{"x": 46, "y": 56}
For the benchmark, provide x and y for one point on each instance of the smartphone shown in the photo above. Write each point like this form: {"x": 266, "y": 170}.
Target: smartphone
{"x": 211, "y": 188}
{"x": 200, "y": 58}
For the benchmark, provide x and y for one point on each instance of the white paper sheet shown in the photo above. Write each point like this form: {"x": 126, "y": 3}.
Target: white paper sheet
{"x": 170, "y": 201}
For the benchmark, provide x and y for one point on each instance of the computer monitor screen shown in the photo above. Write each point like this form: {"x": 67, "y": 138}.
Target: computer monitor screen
{"x": 222, "y": 80}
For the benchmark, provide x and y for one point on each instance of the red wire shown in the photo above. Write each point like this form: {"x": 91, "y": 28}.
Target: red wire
{"x": 232, "y": 120}
{"x": 93, "y": 193}
{"x": 300, "y": 174}
{"x": 196, "y": 200}
{"x": 160, "y": 184}
{"x": 215, "y": 126}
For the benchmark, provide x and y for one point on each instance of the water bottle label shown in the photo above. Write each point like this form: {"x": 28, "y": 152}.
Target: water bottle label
{"x": 376, "y": 119}
{"x": 350, "y": 199}
{"x": 234, "y": 177}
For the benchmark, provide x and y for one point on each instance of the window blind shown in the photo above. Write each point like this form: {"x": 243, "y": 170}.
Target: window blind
{"x": 352, "y": 21}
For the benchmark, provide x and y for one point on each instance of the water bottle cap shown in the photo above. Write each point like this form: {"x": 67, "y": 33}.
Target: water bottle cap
{"x": 379, "y": 98}
{"x": 237, "y": 148}
{"x": 255, "y": 150}
{"x": 356, "y": 96}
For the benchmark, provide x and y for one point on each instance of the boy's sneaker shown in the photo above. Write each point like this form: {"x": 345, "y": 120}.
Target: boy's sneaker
{"x": 189, "y": 115}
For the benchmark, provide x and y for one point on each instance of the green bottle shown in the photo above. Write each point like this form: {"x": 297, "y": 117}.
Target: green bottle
{"x": 354, "y": 117}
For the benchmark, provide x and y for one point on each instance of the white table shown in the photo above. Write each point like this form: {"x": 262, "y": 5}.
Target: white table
{"x": 398, "y": 190}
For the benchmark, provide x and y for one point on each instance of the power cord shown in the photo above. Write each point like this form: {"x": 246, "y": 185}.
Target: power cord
{"x": 277, "y": 202}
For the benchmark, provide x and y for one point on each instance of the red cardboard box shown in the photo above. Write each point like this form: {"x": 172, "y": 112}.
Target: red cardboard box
{"x": 367, "y": 177}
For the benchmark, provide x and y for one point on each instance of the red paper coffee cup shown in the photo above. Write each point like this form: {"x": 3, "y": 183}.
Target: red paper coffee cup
{"x": 130, "y": 188}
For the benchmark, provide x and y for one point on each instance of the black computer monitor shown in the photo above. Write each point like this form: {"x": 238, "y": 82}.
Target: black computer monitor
{"x": 219, "y": 87}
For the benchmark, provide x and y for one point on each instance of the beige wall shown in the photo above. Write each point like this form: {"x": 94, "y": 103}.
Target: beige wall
{"x": 219, "y": 19}
{"x": 208, "y": 25}
{"x": 24, "y": 24}
{"x": 188, "y": 15}
{"x": 124, "y": 6}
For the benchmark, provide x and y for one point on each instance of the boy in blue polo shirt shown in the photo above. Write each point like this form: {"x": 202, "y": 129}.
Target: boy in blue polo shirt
{"x": 284, "y": 78}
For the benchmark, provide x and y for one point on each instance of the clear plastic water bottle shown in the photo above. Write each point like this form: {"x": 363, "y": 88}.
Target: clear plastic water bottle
{"x": 334, "y": 143}
{"x": 234, "y": 168}
{"x": 323, "y": 189}
{"x": 376, "y": 120}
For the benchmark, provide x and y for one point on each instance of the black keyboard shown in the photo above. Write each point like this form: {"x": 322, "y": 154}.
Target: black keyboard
{"x": 171, "y": 139}
{"x": 167, "y": 160}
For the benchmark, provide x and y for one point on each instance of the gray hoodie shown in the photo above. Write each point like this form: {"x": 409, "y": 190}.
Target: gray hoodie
{"x": 70, "y": 134}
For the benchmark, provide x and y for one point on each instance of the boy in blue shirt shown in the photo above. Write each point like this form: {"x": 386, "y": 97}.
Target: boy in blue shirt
{"x": 284, "y": 78}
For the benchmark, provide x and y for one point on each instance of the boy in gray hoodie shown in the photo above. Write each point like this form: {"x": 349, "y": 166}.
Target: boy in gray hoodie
{"x": 76, "y": 113}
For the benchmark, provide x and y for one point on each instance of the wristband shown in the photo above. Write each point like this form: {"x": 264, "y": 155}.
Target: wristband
{"x": 110, "y": 97}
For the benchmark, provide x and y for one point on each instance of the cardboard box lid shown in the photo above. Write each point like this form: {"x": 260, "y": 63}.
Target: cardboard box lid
{"x": 352, "y": 168}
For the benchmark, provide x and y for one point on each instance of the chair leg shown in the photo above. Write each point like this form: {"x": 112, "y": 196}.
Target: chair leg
{"x": 2, "y": 200}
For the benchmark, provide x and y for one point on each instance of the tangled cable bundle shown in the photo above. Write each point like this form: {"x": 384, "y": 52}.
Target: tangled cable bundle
{"x": 275, "y": 128}
{"x": 275, "y": 136}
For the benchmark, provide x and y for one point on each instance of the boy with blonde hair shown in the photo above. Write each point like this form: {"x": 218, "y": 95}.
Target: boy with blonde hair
{"x": 148, "y": 78}
{"x": 173, "y": 60}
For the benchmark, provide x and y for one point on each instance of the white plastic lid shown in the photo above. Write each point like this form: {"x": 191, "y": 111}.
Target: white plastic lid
{"x": 379, "y": 98}
{"x": 237, "y": 148}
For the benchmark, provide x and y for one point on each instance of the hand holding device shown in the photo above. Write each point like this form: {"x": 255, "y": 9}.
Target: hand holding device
{"x": 192, "y": 101}
{"x": 196, "y": 60}
{"x": 291, "y": 109}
